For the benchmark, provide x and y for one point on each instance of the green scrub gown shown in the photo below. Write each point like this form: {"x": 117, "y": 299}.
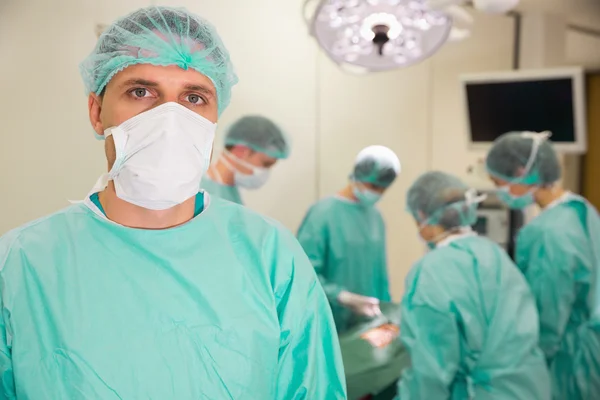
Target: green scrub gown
{"x": 226, "y": 306}
{"x": 345, "y": 242}
{"x": 470, "y": 325}
{"x": 216, "y": 189}
{"x": 559, "y": 253}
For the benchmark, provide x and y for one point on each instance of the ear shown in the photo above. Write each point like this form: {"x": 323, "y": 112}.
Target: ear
{"x": 95, "y": 109}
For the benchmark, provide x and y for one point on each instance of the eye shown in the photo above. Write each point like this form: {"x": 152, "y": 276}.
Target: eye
{"x": 195, "y": 99}
{"x": 140, "y": 92}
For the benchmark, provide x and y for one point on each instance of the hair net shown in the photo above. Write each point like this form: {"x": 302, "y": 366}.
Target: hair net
{"x": 160, "y": 36}
{"x": 437, "y": 198}
{"x": 524, "y": 157}
{"x": 377, "y": 165}
{"x": 260, "y": 134}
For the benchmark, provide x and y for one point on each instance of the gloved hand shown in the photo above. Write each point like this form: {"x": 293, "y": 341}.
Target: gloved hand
{"x": 361, "y": 305}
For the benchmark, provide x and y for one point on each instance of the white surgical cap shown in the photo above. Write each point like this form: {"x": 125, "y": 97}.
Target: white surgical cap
{"x": 377, "y": 165}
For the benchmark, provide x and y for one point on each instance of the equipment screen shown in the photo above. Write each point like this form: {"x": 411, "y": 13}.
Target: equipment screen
{"x": 533, "y": 105}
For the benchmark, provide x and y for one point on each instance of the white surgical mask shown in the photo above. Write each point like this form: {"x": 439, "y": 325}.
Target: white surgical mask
{"x": 366, "y": 196}
{"x": 161, "y": 156}
{"x": 255, "y": 180}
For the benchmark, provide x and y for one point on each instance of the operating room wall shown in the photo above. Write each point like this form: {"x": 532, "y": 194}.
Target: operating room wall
{"x": 48, "y": 154}
{"x": 583, "y": 49}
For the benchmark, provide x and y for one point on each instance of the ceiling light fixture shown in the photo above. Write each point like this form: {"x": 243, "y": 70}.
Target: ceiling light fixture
{"x": 378, "y": 35}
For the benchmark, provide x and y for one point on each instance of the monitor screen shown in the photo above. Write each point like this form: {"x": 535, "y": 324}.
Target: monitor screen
{"x": 534, "y": 105}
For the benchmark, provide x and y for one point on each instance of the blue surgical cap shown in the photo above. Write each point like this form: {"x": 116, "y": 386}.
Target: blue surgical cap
{"x": 160, "y": 36}
{"x": 260, "y": 134}
{"x": 524, "y": 157}
{"x": 437, "y": 198}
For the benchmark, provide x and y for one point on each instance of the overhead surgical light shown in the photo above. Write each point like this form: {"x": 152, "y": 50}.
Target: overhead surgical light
{"x": 378, "y": 35}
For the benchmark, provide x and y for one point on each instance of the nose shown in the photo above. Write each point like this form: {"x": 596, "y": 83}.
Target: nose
{"x": 169, "y": 99}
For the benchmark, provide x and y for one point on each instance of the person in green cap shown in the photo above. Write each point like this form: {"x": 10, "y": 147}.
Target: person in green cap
{"x": 253, "y": 145}
{"x": 344, "y": 238}
{"x": 150, "y": 289}
{"x": 468, "y": 317}
{"x": 559, "y": 253}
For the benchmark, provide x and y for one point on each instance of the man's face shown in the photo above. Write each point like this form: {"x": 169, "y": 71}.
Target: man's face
{"x": 143, "y": 87}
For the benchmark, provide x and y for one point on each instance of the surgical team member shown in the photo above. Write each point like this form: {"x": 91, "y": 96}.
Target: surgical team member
{"x": 253, "y": 145}
{"x": 469, "y": 320}
{"x": 150, "y": 289}
{"x": 558, "y": 252}
{"x": 344, "y": 237}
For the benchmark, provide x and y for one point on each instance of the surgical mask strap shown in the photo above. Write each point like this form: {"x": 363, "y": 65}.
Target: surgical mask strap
{"x": 255, "y": 170}
{"x": 361, "y": 186}
{"x": 218, "y": 175}
{"x": 472, "y": 198}
{"x": 537, "y": 139}
{"x": 240, "y": 162}
{"x": 226, "y": 161}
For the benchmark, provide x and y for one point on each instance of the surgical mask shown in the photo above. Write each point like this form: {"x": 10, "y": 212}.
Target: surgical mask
{"x": 515, "y": 202}
{"x": 255, "y": 180}
{"x": 365, "y": 196}
{"x": 161, "y": 156}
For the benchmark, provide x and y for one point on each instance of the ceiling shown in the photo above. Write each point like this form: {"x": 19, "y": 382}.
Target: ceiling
{"x": 581, "y": 12}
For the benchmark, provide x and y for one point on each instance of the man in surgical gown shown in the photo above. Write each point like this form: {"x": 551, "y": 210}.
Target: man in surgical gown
{"x": 559, "y": 253}
{"x": 253, "y": 145}
{"x": 150, "y": 289}
{"x": 468, "y": 318}
{"x": 344, "y": 237}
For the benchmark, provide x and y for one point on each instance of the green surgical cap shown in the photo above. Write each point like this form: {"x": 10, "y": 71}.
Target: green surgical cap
{"x": 377, "y": 165}
{"x": 260, "y": 134}
{"x": 524, "y": 157}
{"x": 160, "y": 36}
{"x": 437, "y": 198}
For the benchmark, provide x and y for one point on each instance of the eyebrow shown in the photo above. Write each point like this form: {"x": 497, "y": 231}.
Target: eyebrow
{"x": 143, "y": 82}
{"x": 189, "y": 86}
{"x": 199, "y": 88}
